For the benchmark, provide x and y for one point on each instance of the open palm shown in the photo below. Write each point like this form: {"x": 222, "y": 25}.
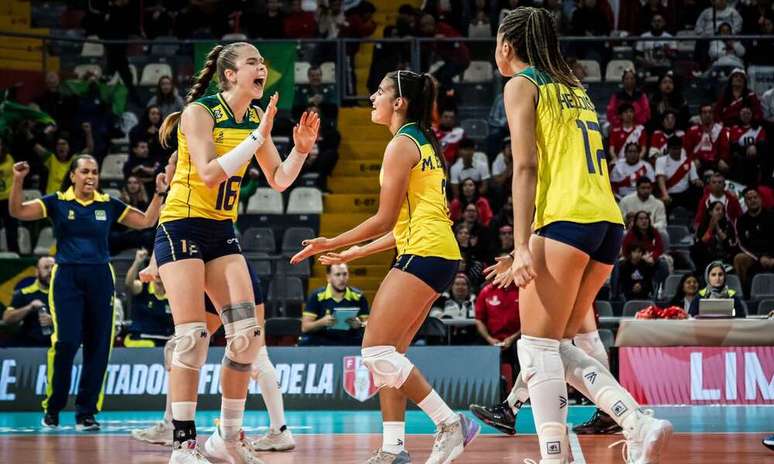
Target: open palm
{"x": 305, "y": 132}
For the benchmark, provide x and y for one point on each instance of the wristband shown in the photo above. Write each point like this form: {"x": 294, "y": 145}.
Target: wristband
{"x": 233, "y": 161}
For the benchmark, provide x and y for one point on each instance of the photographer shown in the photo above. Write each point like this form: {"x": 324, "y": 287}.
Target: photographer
{"x": 29, "y": 308}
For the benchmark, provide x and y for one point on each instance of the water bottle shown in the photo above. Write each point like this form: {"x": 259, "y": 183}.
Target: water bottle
{"x": 44, "y": 329}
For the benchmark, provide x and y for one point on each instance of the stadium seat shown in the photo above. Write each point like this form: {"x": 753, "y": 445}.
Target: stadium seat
{"x": 480, "y": 31}
{"x": 234, "y": 37}
{"x": 31, "y": 194}
{"x": 91, "y": 49}
{"x": 762, "y": 286}
{"x": 261, "y": 267}
{"x": 765, "y": 307}
{"x": 283, "y": 327}
{"x": 328, "y": 70}
{"x": 604, "y": 308}
{"x": 761, "y": 78}
{"x": 593, "y": 71}
{"x": 301, "y": 269}
{"x": 259, "y": 239}
{"x": 291, "y": 241}
{"x": 82, "y": 69}
{"x": 305, "y": 200}
{"x": 664, "y": 238}
{"x": 152, "y": 72}
{"x": 8, "y": 255}
{"x": 631, "y": 307}
{"x": 434, "y": 328}
{"x": 671, "y": 286}
{"x": 608, "y": 339}
{"x": 679, "y": 236}
{"x": 686, "y": 47}
{"x": 285, "y": 292}
{"x": 115, "y": 193}
{"x": 45, "y": 242}
{"x": 733, "y": 282}
{"x": 113, "y": 166}
{"x": 265, "y": 201}
{"x": 477, "y": 72}
{"x": 683, "y": 261}
{"x": 164, "y": 49}
{"x": 302, "y": 68}
{"x": 616, "y": 68}
{"x": 476, "y": 129}
{"x": 23, "y": 239}
{"x": 133, "y": 72}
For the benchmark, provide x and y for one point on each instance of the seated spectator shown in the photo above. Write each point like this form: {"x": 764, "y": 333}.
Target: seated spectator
{"x": 58, "y": 104}
{"x": 270, "y": 24}
{"x": 625, "y": 173}
{"x": 660, "y": 137}
{"x": 715, "y": 237}
{"x": 299, "y": 24}
{"x": 151, "y": 316}
{"x": 668, "y": 97}
{"x": 497, "y": 322}
{"x": 504, "y": 243}
{"x": 459, "y": 302}
{"x": 133, "y": 193}
{"x": 449, "y": 134}
{"x": 141, "y": 165}
{"x": 122, "y": 238}
{"x": 643, "y": 200}
{"x": 330, "y": 19}
{"x": 557, "y": 11}
{"x": 753, "y": 13}
{"x": 708, "y": 143}
{"x": 678, "y": 181}
{"x": 467, "y": 167}
{"x": 755, "y": 229}
{"x": 649, "y": 11}
{"x": 643, "y": 234}
{"x": 687, "y": 290}
{"x": 578, "y": 70}
{"x": 478, "y": 232}
{"x": 498, "y": 127}
{"x": 29, "y": 309}
{"x": 656, "y": 53}
{"x": 391, "y": 56}
{"x": 726, "y": 52}
{"x": 751, "y": 161}
{"x": 715, "y": 277}
{"x": 716, "y": 192}
{"x": 166, "y": 98}
{"x": 635, "y": 275}
{"x": 625, "y": 133}
{"x": 470, "y": 195}
{"x": 720, "y": 12}
{"x": 317, "y": 94}
{"x": 8, "y": 222}
{"x": 502, "y": 174}
{"x": 325, "y": 153}
{"x": 319, "y": 324}
{"x": 760, "y": 50}
{"x": 504, "y": 215}
{"x": 633, "y": 96}
{"x": 767, "y": 104}
{"x": 736, "y": 96}
{"x": 455, "y": 55}
{"x": 148, "y": 130}
{"x": 590, "y": 20}
{"x": 473, "y": 253}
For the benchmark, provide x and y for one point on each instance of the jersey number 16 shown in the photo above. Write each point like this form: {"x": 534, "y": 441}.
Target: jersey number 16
{"x": 586, "y": 127}
{"x": 227, "y": 193}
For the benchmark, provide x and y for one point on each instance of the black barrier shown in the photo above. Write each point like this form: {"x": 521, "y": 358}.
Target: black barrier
{"x": 310, "y": 378}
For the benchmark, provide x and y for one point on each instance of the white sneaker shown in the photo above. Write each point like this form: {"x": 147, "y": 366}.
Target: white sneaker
{"x": 275, "y": 441}
{"x": 451, "y": 439}
{"x": 547, "y": 461}
{"x": 646, "y": 438}
{"x": 187, "y": 453}
{"x": 159, "y": 433}
{"x": 219, "y": 450}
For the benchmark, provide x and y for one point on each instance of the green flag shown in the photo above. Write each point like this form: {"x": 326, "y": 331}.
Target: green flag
{"x": 280, "y": 59}
{"x": 114, "y": 93}
{"x": 12, "y": 112}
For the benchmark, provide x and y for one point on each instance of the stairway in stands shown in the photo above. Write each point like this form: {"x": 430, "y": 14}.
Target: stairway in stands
{"x": 18, "y": 54}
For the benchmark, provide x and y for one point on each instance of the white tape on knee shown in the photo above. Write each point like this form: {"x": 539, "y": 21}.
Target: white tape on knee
{"x": 169, "y": 351}
{"x": 243, "y": 336}
{"x": 539, "y": 359}
{"x": 191, "y": 344}
{"x": 389, "y": 368}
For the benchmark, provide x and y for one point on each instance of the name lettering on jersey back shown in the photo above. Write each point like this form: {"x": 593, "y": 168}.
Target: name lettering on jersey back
{"x": 580, "y": 101}
{"x": 431, "y": 162}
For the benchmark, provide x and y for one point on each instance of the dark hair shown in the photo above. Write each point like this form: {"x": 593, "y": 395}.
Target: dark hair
{"x": 677, "y": 300}
{"x": 643, "y": 180}
{"x": 650, "y": 233}
{"x": 329, "y": 268}
{"x": 674, "y": 141}
{"x": 625, "y": 106}
{"x": 463, "y": 200}
{"x": 748, "y": 190}
{"x": 66, "y": 182}
{"x": 708, "y": 215}
{"x": 466, "y": 143}
{"x": 219, "y": 59}
{"x": 420, "y": 91}
{"x": 635, "y": 144}
{"x": 160, "y": 96}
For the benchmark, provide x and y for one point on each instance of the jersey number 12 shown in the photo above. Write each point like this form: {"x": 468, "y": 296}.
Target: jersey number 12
{"x": 586, "y": 127}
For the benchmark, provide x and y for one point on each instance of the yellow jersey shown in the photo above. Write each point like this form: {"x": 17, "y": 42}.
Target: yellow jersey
{"x": 6, "y": 176}
{"x": 57, "y": 170}
{"x": 188, "y": 196}
{"x": 572, "y": 181}
{"x": 423, "y": 227}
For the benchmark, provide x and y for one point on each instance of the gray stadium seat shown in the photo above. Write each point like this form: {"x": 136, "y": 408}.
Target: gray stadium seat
{"x": 91, "y": 49}
{"x": 291, "y": 241}
{"x": 45, "y": 242}
{"x": 604, "y": 308}
{"x": 305, "y": 200}
{"x": 265, "y": 201}
{"x": 301, "y": 269}
{"x": 616, "y": 68}
{"x": 113, "y": 166}
{"x": 477, "y": 72}
{"x": 23, "y": 239}
{"x": 285, "y": 292}
{"x": 31, "y": 194}
{"x": 152, "y": 72}
{"x": 301, "y": 70}
{"x": 765, "y": 307}
{"x": 631, "y": 307}
{"x": 328, "y": 70}
{"x": 115, "y": 193}
{"x": 679, "y": 236}
{"x": 283, "y": 327}
{"x": 683, "y": 261}
{"x": 82, "y": 69}
{"x": 260, "y": 239}
{"x": 733, "y": 282}
{"x": 593, "y": 71}
{"x": 261, "y": 267}
{"x": 476, "y": 129}
{"x": 762, "y": 286}
{"x": 608, "y": 339}
{"x": 671, "y": 286}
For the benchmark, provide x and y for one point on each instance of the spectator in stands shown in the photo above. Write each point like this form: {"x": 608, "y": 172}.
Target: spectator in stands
{"x": 467, "y": 167}
{"x": 455, "y": 55}
{"x": 755, "y": 229}
{"x": 58, "y": 163}
{"x": 635, "y": 278}
{"x": 158, "y": 19}
{"x": 754, "y": 13}
{"x": 270, "y": 24}
{"x": 504, "y": 243}
{"x": 657, "y": 53}
{"x": 626, "y": 132}
{"x": 320, "y": 325}
{"x": 480, "y": 24}
{"x": 470, "y": 195}
{"x": 643, "y": 200}
{"x": 767, "y": 104}
{"x": 29, "y": 308}
{"x": 166, "y": 98}
{"x": 459, "y": 302}
{"x": 708, "y": 143}
{"x": 735, "y": 96}
{"x": 330, "y": 19}
{"x": 9, "y": 223}
{"x": 577, "y": 69}
{"x": 625, "y": 173}
{"x": 715, "y": 237}
{"x": 716, "y": 192}
{"x": 151, "y": 316}
{"x": 557, "y": 11}
{"x": 317, "y": 94}
{"x": 449, "y": 134}
{"x": 449, "y": 11}
{"x": 299, "y": 24}
{"x": 325, "y": 153}
{"x": 660, "y": 137}
{"x": 133, "y": 193}
{"x": 478, "y": 232}
{"x": 678, "y": 181}
{"x": 57, "y": 104}
{"x": 504, "y": 216}
{"x": 147, "y": 130}
{"x": 687, "y": 290}
{"x": 715, "y": 277}
{"x": 590, "y": 20}
{"x": 121, "y": 20}
{"x": 502, "y": 175}
{"x": 643, "y": 233}
{"x": 650, "y": 10}
{"x": 720, "y": 12}
{"x": 498, "y": 127}
{"x": 391, "y": 56}
{"x": 632, "y": 95}
{"x": 473, "y": 253}
{"x": 726, "y": 52}
{"x": 359, "y": 24}
{"x": 751, "y": 161}
{"x": 141, "y": 165}
{"x": 95, "y": 108}
{"x": 497, "y": 322}
{"x": 668, "y": 97}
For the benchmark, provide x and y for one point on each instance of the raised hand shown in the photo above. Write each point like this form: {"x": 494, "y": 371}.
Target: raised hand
{"x": 21, "y": 169}
{"x": 311, "y": 247}
{"x": 267, "y": 122}
{"x": 305, "y": 132}
{"x": 161, "y": 183}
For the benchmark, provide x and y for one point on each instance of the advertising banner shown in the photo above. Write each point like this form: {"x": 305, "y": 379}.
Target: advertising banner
{"x": 698, "y": 375}
{"x": 309, "y": 377}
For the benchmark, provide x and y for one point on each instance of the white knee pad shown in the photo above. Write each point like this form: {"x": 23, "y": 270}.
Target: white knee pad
{"x": 592, "y": 345}
{"x": 389, "y": 368}
{"x": 243, "y": 336}
{"x": 191, "y": 344}
{"x": 169, "y": 351}
{"x": 539, "y": 359}
{"x": 262, "y": 365}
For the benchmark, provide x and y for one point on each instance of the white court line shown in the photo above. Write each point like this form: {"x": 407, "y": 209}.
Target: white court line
{"x": 575, "y": 447}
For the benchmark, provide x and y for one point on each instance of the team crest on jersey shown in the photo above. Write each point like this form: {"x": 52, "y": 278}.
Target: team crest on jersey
{"x": 254, "y": 116}
{"x": 358, "y": 381}
{"x": 219, "y": 137}
{"x": 219, "y": 114}
{"x": 100, "y": 215}
{"x": 71, "y": 215}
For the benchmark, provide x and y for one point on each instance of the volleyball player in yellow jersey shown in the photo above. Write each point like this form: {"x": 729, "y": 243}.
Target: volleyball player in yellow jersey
{"x": 413, "y": 217}
{"x": 196, "y": 248}
{"x": 562, "y": 192}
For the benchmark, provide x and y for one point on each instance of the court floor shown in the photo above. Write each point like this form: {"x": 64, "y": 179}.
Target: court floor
{"x": 704, "y": 435}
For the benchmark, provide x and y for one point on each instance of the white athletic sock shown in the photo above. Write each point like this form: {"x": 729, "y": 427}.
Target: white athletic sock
{"x": 393, "y": 437}
{"x": 183, "y": 410}
{"x": 168, "y": 409}
{"x": 592, "y": 345}
{"x": 266, "y": 376}
{"x": 436, "y": 408}
{"x": 591, "y": 378}
{"x": 231, "y": 413}
{"x": 519, "y": 393}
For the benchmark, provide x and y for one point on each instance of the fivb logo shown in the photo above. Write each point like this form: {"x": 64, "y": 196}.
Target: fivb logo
{"x": 357, "y": 379}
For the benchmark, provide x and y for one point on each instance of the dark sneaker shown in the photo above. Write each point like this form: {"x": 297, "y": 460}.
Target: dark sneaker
{"x": 499, "y": 416}
{"x": 768, "y": 442}
{"x": 50, "y": 421}
{"x": 599, "y": 424}
{"x": 86, "y": 424}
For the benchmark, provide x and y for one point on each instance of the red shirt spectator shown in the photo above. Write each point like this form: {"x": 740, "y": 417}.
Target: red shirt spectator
{"x": 449, "y": 134}
{"x": 299, "y": 24}
{"x": 708, "y": 142}
{"x": 469, "y": 194}
{"x": 628, "y": 132}
{"x": 498, "y": 310}
{"x": 659, "y": 137}
{"x": 645, "y": 235}
{"x": 734, "y": 98}
{"x": 716, "y": 191}
{"x": 632, "y": 95}
{"x": 624, "y": 174}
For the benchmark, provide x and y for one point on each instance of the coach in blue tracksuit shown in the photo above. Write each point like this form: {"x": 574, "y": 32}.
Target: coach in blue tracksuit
{"x": 82, "y": 283}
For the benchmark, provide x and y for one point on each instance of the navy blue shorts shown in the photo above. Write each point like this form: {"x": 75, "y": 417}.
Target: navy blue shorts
{"x": 195, "y": 238}
{"x": 436, "y": 272}
{"x": 257, "y": 293}
{"x": 600, "y": 240}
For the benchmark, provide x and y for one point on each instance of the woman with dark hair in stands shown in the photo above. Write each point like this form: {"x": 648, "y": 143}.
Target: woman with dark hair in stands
{"x": 668, "y": 97}
{"x": 166, "y": 98}
{"x": 632, "y": 95}
{"x": 715, "y": 237}
{"x": 469, "y": 196}
{"x": 148, "y": 130}
{"x": 715, "y": 278}
{"x": 735, "y": 97}
{"x": 687, "y": 290}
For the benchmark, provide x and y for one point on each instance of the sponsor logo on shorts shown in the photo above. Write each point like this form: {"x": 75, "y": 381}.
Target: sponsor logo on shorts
{"x": 619, "y": 408}
{"x": 554, "y": 447}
